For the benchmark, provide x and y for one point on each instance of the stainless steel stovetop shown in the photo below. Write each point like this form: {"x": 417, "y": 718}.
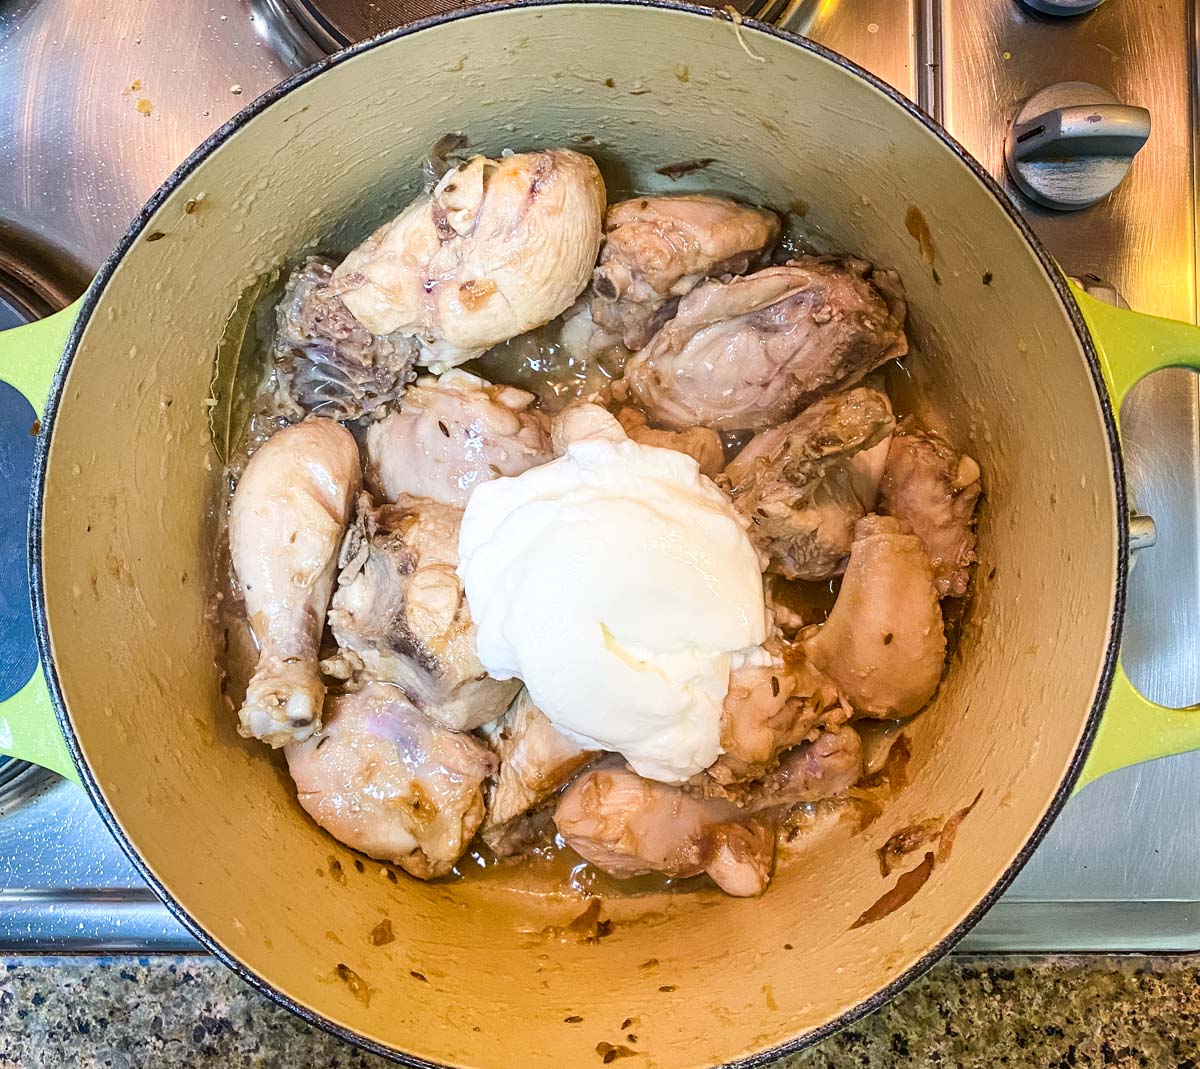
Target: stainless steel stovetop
{"x": 99, "y": 102}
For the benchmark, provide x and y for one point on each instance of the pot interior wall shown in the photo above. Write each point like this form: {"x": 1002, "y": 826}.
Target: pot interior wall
{"x": 472, "y": 976}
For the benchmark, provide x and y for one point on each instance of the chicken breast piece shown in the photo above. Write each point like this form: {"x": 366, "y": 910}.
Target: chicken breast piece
{"x": 806, "y": 483}
{"x": 399, "y": 614}
{"x": 823, "y": 768}
{"x": 700, "y": 443}
{"x": 384, "y": 779}
{"x": 752, "y": 351}
{"x": 657, "y": 249}
{"x": 500, "y": 247}
{"x": 286, "y": 521}
{"x": 536, "y": 759}
{"x": 629, "y": 826}
{"x": 326, "y": 362}
{"x": 884, "y": 644}
{"x": 451, "y": 434}
{"x": 934, "y": 489}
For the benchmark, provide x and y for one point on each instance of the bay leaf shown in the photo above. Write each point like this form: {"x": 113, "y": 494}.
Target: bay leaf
{"x": 239, "y": 365}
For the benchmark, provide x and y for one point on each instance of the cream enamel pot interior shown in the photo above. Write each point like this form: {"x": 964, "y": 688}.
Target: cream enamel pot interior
{"x": 121, "y": 535}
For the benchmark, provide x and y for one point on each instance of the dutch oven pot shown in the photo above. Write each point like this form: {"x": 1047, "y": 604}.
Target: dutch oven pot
{"x": 127, "y": 699}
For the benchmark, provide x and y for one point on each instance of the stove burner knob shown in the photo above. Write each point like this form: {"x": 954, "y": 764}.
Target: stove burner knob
{"x": 1072, "y": 143}
{"x": 1062, "y": 8}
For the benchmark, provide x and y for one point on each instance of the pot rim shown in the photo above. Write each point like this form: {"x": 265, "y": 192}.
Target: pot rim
{"x": 94, "y": 295}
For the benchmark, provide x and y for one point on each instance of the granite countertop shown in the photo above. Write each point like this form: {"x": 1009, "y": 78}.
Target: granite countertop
{"x": 968, "y": 1011}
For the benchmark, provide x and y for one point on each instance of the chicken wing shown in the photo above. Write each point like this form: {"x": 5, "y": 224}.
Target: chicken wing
{"x": 536, "y": 759}
{"x": 629, "y": 826}
{"x": 500, "y": 247}
{"x": 884, "y": 644}
{"x": 328, "y": 363}
{"x": 934, "y": 490}
{"x": 285, "y": 525}
{"x": 657, "y": 249}
{"x": 384, "y": 779}
{"x": 451, "y": 434}
{"x": 806, "y": 483}
{"x": 399, "y": 614}
{"x": 752, "y": 351}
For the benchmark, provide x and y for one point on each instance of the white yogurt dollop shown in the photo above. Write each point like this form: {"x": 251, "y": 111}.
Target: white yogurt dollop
{"x": 618, "y": 583}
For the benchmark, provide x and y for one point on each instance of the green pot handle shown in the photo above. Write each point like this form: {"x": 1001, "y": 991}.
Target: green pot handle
{"x": 29, "y": 356}
{"x": 1131, "y": 345}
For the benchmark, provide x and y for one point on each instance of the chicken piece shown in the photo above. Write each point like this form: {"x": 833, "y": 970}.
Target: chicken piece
{"x": 629, "y": 826}
{"x": 583, "y": 419}
{"x": 752, "y": 351}
{"x": 285, "y": 525}
{"x": 536, "y": 759}
{"x": 657, "y": 249}
{"x": 772, "y": 705}
{"x": 806, "y": 483}
{"x": 328, "y": 363}
{"x": 934, "y": 490}
{"x": 884, "y": 644}
{"x": 451, "y": 434}
{"x": 399, "y": 614}
{"x": 823, "y": 768}
{"x": 384, "y": 779}
{"x": 700, "y": 443}
{"x": 500, "y": 247}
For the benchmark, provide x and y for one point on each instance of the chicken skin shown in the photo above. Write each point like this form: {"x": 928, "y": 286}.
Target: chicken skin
{"x": 326, "y": 362}
{"x": 399, "y": 614}
{"x": 629, "y": 826}
{"x": 752, "y": 351}
{"x": 450, "y": 434}
{"x": 285, "y": 525}
{"x": 536, "y": 759}
{"x": 884, "y": 644}
{"x": 699, "y": 443}
{"x": 934, "y": 490}
{"x": 772, "y": 705}
{"x": 500, "y": 247}
{"x": 657, "y": 249}
{"x": 806, "y": 483}
{"x": 384, "y": 779}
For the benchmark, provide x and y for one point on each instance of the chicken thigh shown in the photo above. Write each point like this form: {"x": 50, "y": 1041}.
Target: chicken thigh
{"x": 328, "y": 363}
{"x": 536, "y": 759}
{"x": 934, "y": 490}
{"x": 629, "y": 826}
{"x": 750, "y": 352}
{"x": 285, "y": 525}
{"x": 384, "y": 779}
{"x": 399, "y": 614}
{"x": 656, "y": 249}
{"x": 500, "y": 247}
{"x": 884, "y": 644}
{"x": 806, "y": 483}
{"x": 451, "y": 434}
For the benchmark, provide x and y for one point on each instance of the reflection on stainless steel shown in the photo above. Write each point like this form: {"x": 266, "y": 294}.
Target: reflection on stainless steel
{"x": 95, "y": 112}
{"x": 1142, "y": 531}
{"x": 1072, "y": 143}
{"x": 880, "y": 35}
{"x": 1121, "y": 866}
{"x": 996, "y": 56}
